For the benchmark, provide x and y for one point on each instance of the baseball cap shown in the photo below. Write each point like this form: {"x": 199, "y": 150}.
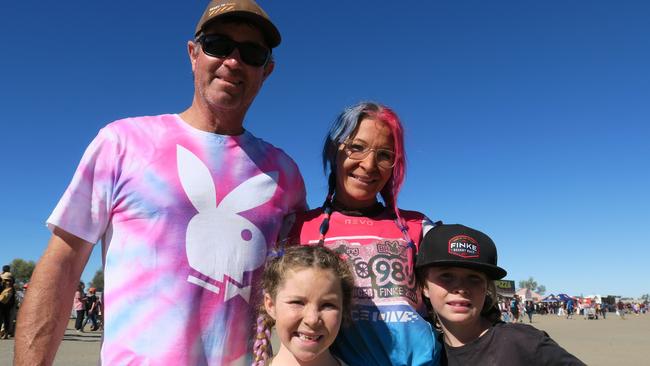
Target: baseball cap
{"x": 455, "y": 245}
{"x": 246, "y": 9}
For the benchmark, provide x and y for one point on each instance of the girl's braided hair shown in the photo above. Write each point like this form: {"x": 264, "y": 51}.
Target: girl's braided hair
{"x": 294, "y": 258}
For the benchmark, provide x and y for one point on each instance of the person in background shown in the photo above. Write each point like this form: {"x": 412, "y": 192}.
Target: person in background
{"x": 13, "y": 311}
{"x": 504, "y": 307}
{"x": 92, "y": 309}
{"x": 7, "y": 304}
{"x": 79, "y": 306}
{"x": 186, "y": 206}
{"x": 530, "y": 309}
{"x": 569, "y": 309}
{"x": 514, "y": 308}
{"x": 620, "y": 309}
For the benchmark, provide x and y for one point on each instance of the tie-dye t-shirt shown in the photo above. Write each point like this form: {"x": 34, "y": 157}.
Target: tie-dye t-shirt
{"x": 387, "y": 326}
{"x": 185, "y": 218}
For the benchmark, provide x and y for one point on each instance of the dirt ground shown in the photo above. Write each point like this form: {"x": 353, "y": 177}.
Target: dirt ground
{"x": 613, "y": 341}
{"x": 77, "y": 349}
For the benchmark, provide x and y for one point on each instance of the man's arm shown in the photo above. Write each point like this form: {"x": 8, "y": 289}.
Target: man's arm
{"x": 39, "y": 330}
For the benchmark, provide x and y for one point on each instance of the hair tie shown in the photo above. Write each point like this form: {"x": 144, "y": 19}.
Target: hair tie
{"x": 276, "y": 253}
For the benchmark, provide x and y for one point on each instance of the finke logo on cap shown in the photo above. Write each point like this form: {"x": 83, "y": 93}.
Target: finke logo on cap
{"x": 463, "y": 246}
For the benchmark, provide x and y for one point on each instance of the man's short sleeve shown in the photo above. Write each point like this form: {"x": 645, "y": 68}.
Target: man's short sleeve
{"x": 85, "y": 208}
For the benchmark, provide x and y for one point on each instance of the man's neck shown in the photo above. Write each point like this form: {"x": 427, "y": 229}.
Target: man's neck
{"x": 226, "y": 123}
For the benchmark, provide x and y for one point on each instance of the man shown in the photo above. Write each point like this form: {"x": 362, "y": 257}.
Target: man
{"x": 569, "y": 309}
{"x": 530, "y": 308}
{"x": 6, "y": 273}
{"x": 92, "y": 310}
{"x": 7, "y": 304}
{"x": 186, "y": 206}
{"x": 514, "y": 308}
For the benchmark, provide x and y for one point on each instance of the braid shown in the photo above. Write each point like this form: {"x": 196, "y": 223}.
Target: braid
{"x": 401, "y": 224}
{"x": 262, "y": 349}
{"x": 327, "y": 208}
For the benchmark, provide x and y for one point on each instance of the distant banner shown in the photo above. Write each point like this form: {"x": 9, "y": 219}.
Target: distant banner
{"x": 505, "y": 288}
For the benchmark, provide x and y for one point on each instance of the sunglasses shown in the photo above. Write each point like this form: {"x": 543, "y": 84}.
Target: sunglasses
{"x": 217, "y": 45}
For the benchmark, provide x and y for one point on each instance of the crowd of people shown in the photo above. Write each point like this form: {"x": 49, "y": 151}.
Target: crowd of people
{"x": 209, "y": 244}
{"x": 87, "y": 307}
{"x": 514, "y": 308}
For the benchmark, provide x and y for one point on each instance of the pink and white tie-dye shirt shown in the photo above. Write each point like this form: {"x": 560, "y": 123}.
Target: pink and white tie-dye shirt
{"x": 185, "y": 218}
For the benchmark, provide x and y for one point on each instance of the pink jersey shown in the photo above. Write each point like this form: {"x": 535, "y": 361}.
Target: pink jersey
{"x": 185, "y": 218}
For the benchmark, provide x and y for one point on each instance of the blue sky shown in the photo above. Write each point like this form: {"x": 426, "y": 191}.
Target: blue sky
{"x": 528, "y": 120}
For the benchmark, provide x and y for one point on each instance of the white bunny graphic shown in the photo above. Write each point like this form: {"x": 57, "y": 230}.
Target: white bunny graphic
{"x": 219, "y": 241}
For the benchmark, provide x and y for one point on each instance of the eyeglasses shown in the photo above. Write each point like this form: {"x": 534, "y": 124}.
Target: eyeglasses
{"x": 217, "y": 45}
{"x": 358, "y": 151}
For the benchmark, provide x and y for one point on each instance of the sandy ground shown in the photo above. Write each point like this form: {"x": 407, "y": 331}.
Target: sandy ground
{"x": 77, "y": 349}
{"x": 612, "y": 341}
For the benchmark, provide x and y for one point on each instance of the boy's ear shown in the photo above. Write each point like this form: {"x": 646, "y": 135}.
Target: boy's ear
{"x": 421, "y": 283}
{"x": 425, "y": 291}
{"x": 269, "y": 305}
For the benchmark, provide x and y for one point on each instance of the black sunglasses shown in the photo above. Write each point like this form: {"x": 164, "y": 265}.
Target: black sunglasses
{"x": 217, "y": 45}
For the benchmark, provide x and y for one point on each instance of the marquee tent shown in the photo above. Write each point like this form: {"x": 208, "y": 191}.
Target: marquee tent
{"x": 564, "y": 297}
{"x": 550, "y": 298}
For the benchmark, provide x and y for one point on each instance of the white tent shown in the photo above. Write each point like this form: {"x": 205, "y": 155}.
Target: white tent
{"x": 529, "y": 295}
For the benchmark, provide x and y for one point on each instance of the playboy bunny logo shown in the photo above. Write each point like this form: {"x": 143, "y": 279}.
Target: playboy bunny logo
{"x": 219, "y": 241}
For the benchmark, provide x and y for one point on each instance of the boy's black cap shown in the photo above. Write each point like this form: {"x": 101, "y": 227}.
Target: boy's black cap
{"x": 456, "y": 245}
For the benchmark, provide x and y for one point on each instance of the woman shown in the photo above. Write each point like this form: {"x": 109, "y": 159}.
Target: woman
{"x": 364, "y": 154}
{"x": 79, "y": 306}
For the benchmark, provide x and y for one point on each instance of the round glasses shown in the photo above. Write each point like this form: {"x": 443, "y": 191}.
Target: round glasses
{"x": 358, "y": 151}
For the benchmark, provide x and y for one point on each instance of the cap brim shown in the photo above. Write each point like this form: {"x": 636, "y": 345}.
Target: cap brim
{"x": 494, "y": 272}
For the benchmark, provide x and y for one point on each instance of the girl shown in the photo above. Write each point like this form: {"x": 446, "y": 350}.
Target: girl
{"x": 456, "y": 268}
{"x": 364, "y": 153}
{"x": 307, "y": 294}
